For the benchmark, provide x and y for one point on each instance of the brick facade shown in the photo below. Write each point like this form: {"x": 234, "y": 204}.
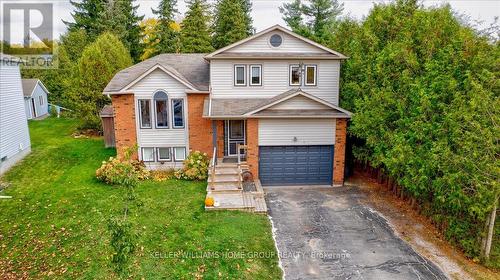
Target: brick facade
{"x": 339, "y": 154}
{"x": 253, "y": 146}
{"x": 200, "y": 129}
{"x": 124, "y": 121}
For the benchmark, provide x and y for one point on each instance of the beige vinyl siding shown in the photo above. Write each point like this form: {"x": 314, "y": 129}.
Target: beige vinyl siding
{"x": 299, "y": 103}
{"x": 281, "y": 132}
{"x": 289, "y": 44}
{"x": 164, "y": 137}
{"x": 275, "y": 75}
{"x": 14, "y": 134}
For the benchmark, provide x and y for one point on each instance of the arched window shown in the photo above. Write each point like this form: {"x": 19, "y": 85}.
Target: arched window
{"x": 161, "y": 109}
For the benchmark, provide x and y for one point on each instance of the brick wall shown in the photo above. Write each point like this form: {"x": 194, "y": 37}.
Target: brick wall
{"x": 200, "y": 129}
{"x": 253, "y": 146}
{"x": 124, "y": 121}
{"x": 339, "y": 154}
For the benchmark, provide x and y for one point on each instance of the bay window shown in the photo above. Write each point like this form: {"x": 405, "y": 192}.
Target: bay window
{"x": 178, "y": 113}
{"x": 145, "y": 113}
{"x": 161, "y": 109}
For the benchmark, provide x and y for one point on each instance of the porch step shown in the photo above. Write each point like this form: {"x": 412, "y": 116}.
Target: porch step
{"x": 222, "y": 178}
{"x": 224, "y": 171}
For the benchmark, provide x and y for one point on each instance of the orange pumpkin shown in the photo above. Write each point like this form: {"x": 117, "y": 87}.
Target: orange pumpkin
{"x": 209, "y": 202}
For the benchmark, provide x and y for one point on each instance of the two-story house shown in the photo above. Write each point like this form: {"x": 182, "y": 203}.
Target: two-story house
{"x": 276, "y": 93}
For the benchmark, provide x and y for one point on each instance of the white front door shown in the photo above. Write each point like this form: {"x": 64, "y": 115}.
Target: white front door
{"x": 235, "y": 134}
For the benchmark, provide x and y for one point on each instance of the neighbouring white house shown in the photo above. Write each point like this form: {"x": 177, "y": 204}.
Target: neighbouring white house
{"x": 35, "y": 98}
{"x": 14, "y": 134}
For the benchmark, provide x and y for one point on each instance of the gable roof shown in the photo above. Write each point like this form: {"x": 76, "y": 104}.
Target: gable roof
{"x": 227, "y": 108}
{"x": 29, "y": 86}
{"x": 290, "y": 94}
{"x": 332, "y": 53}
{"x": 190, "y": 69}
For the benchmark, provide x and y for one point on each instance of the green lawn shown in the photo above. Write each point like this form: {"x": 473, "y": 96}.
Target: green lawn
{"x": 56, "y": 223}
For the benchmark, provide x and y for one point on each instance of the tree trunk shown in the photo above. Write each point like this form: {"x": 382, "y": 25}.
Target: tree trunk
{"x": 491, "y": 228}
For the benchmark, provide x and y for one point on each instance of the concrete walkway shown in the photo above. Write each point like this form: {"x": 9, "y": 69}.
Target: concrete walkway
{"x": 326, "y": 233}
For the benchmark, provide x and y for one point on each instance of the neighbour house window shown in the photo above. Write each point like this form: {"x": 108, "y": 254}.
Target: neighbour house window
{"x": 255, "y": 75}
{"x": 40, "y": 99}
{"x": 148, "y": 154}
{"x": 178, "y": 113}
{"x": 161, "y": 109}
{"x": 240, "y": 75}
{"x": 164, "y": 154}
{"x": 294, "y": 75}
{"x": 310, "y": 75}
{"x": 145, "y": 113}
{"x": 179, "y": 153}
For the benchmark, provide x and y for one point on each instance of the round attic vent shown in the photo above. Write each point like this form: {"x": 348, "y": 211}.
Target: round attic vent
{"x": 275, "y": 40}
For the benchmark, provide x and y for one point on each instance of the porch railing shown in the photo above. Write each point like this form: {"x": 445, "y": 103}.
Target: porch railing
{"x": 213, "y": 163}
{"x": 239, "y": 147}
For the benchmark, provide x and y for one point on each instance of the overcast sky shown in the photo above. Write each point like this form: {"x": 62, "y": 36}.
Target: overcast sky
{"x": 265, "y": 12}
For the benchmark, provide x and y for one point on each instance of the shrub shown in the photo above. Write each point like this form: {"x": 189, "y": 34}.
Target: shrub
{"x": 162, "y": 175}
{"x": 125, "y": 172}
{"x": 195, "y": 167}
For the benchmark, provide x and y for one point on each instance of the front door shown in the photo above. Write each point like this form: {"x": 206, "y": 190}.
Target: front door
{"x": 235, "y": 134}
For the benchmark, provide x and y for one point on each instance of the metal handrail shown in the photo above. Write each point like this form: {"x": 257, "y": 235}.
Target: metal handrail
{"x": 213, "y": 163}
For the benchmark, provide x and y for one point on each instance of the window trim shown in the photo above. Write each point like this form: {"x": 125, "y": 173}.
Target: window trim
{"x": 142, "y": 154}
{"x": 250, "y": 74}
{"x": 315, "y": 75}
{"x": 156, "y": 110}
{"x": 281, "y": 44}
{"x": 169, "y": 153}
{"x": 290, "y": 75}
{"x": 235, "y": 80}
{"x": 175, "y": 154}
{"x": 140, "y": 114}
{"x": 183, "y": 115}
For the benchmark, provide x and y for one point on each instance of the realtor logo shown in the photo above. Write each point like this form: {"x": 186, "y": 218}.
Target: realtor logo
{"x": 27, "y": 33}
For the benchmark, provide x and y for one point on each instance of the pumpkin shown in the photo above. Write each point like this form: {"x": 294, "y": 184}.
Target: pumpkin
{"x": 209, "y": 202}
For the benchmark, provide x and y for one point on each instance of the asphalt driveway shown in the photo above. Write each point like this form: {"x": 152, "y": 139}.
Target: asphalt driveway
{"x": 328, "y": 234}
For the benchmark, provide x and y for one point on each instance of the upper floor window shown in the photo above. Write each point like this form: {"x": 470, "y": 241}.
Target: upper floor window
{"x": 275, "y": 40}
{"x": 161, "y": 106}
{"x": 255, "y": 75}
{"x": 178, "y": 113}
{"x": 295, "y": 75}
{"x": 145, "y": 113}
{"x": 310, "y": 75}
{"x": 240, "y": 75}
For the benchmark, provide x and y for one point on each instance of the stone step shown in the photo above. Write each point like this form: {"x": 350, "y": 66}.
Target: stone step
{"x": 225, "y": 178}
{"x": 224, "y": 170}
{"x": 224, "y": 187}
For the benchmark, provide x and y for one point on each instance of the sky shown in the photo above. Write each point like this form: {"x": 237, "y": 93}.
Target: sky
{"x": 265, "y": 12}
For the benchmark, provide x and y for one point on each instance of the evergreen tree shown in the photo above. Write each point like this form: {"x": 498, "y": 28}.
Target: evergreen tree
{"x": 195, "y": 33}
{"x": 99, "y": 62}
{"x": 322, "y": 15}
{"x": 229, "y": 24}
{"x": 89, "y": 15}
{"x": 247, "y": 9}
{"x": 166, "y": 35}
{"x": 123, "y": 21}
